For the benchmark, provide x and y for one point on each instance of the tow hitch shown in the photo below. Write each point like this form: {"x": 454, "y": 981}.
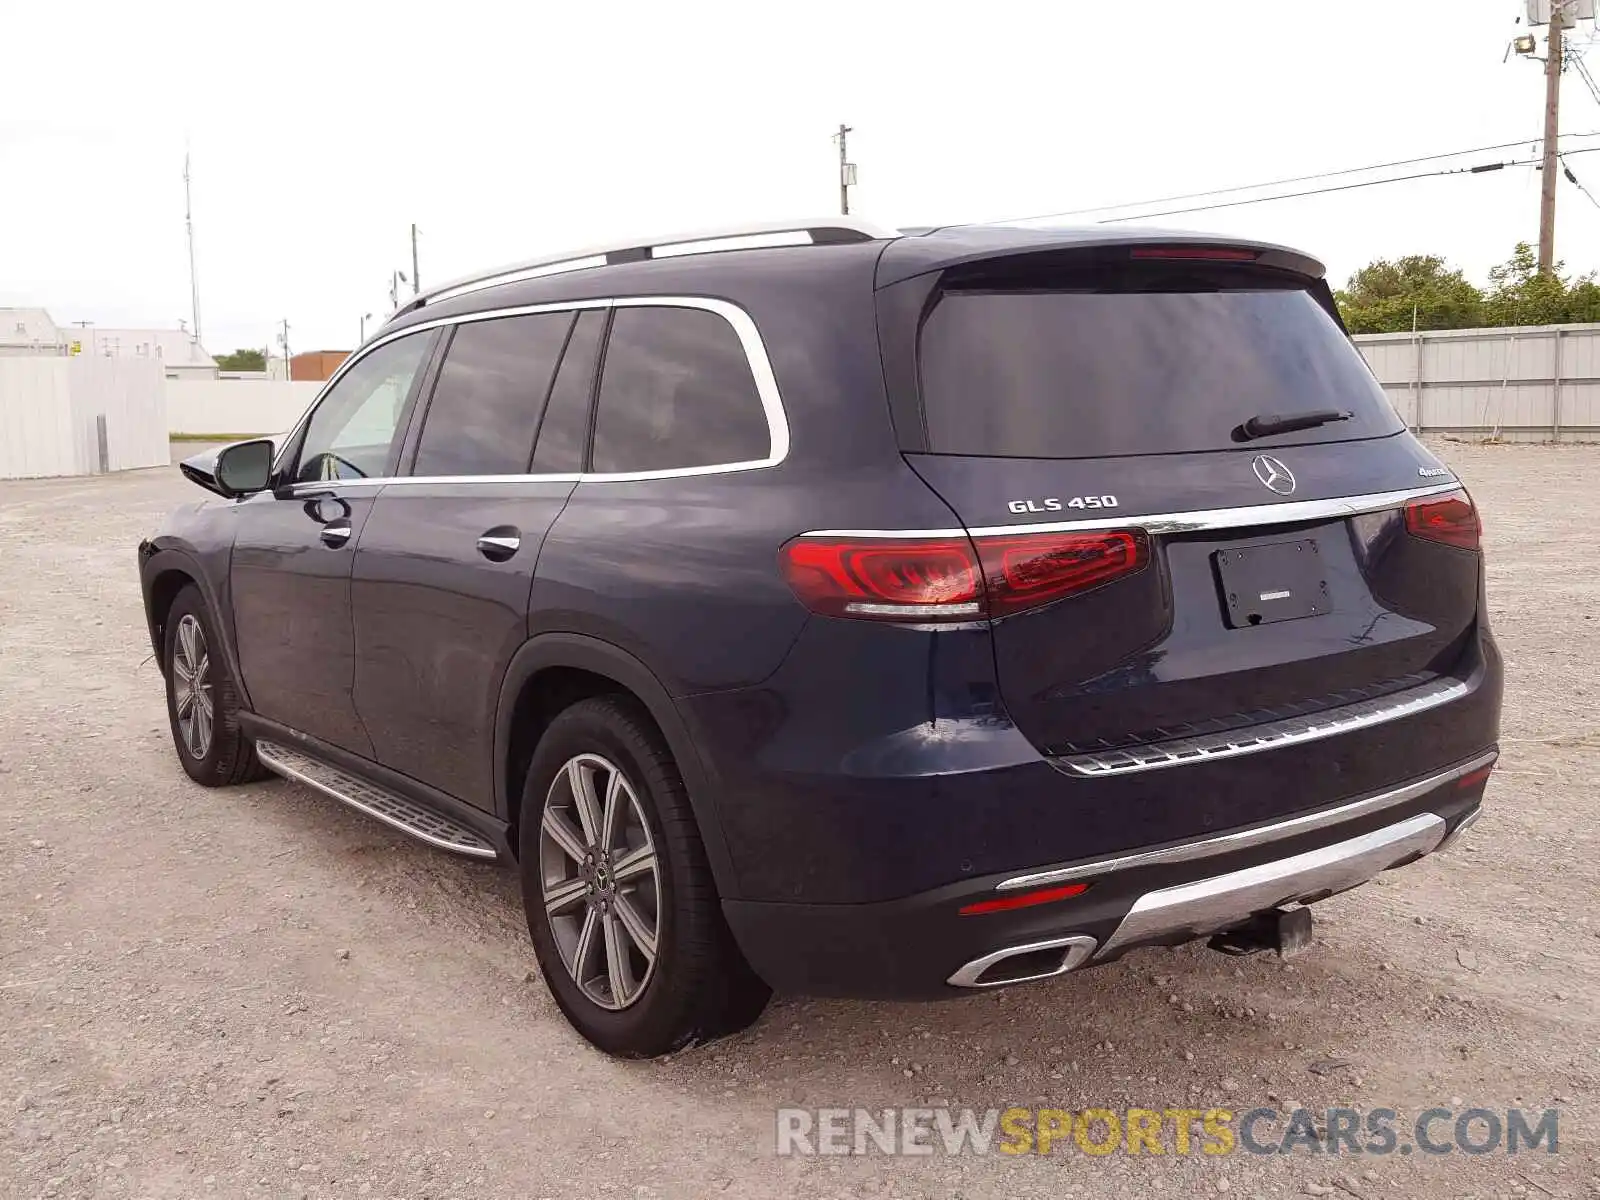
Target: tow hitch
{"x": 1286, "y": 930}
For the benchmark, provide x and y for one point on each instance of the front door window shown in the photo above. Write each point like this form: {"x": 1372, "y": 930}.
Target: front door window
{"x": 353, "y": 429}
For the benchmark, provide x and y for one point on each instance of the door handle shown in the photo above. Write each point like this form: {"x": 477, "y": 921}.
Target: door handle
{"x": 500, "y": 543}
{"x": 335, "y": 535}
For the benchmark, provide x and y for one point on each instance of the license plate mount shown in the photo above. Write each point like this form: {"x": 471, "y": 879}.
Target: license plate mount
{"x": 1282, "y": 581}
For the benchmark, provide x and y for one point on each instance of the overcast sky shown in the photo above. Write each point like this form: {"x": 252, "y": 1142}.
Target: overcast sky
{"x": 320, "y": 131}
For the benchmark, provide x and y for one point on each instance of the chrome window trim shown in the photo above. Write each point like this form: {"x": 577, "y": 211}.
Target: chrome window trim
{"x": 744, "y": 327}
{"x": 1199, "y": 520}
{"x": 1245, "y": 838}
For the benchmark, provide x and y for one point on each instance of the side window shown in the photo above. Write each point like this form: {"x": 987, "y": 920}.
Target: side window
{"x": 676, "y": 391}
{"x": 491, "y": 390}
{"x": 566, "y": 418}
{"x": 354, "y": 425}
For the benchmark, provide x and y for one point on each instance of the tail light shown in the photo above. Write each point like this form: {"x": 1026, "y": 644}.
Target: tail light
{"x": 1450, "y": 518}
{"x": 956, "y": 578}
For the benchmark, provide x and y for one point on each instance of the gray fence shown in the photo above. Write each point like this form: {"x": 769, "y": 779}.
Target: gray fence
{"x": 1540, "y": 383}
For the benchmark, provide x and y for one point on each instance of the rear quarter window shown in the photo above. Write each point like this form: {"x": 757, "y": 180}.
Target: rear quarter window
{"x": 1136, "y": 366}
{"x": 676, "y": 391}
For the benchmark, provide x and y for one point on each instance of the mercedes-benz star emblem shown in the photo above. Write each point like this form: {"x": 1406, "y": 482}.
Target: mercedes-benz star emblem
{"x": 1273, "y": 474}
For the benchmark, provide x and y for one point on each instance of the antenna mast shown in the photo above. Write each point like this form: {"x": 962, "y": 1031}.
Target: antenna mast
{"x": 194, "y": 278}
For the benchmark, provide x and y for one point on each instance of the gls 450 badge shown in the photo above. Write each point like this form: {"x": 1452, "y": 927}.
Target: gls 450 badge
{"x": 1055, "y": 504}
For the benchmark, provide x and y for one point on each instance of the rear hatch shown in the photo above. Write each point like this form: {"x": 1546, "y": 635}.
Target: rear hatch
{"x": 1201, "y": 517}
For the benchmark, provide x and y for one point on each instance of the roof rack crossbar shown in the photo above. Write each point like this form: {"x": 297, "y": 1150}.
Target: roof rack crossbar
{"x": 816, "y": 230}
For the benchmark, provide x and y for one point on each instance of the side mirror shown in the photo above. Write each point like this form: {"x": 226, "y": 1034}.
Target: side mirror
{"x": 244, "y": 467}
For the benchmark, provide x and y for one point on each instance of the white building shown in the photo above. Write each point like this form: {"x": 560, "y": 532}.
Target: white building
{"x": 180, "y": 355}
{"x": 30, "y": 331}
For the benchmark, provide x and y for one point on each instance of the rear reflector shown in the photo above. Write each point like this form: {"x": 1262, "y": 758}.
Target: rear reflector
{"x": 1473, "y": 778}
{"x": 1450, "y": 518}
{"x": 956, "y": 578}
{"x": 1196, "y": 253}
{"x": 1024, "y": 900}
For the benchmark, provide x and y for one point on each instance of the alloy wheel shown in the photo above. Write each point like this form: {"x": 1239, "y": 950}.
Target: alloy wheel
{"x": 601, "y": 884}
{"x": 191, "y": 687}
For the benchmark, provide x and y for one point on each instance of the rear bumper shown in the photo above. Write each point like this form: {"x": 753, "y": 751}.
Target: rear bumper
{"x": 922, "y": 947}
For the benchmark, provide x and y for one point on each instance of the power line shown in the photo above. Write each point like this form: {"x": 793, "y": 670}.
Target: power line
{"x": 1578, "y": 183}
{"x": 1247, "y": 187}
{"x": 1343, "y": 187}
{"x": 1588, "y": 79}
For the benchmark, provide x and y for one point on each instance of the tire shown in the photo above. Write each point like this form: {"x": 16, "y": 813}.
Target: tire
{"x": 696, "y": 986}
{"x": 205, "y": 723}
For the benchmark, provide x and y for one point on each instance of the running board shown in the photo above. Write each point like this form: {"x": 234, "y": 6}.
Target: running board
{"x": 391, "y": 808}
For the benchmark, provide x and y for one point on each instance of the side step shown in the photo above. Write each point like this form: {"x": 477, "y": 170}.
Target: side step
{"x": 407, "y": 816}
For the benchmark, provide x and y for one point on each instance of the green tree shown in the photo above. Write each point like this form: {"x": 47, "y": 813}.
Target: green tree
{"x": 1519, "y": 295}
{"x": 242, "y": 360}
{"x": 1385, "y": 296}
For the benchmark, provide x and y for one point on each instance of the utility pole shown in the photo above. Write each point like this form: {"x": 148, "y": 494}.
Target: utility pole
{"x": 396, "y": 278}
{"x": 365, "y": 317}
{"x": 416, "y": 276}
{"x": 194, "y": 278}
{"x": 283, "y": 340}
{"x": 1552, "y": 133}
{"x": 847, "y": 171}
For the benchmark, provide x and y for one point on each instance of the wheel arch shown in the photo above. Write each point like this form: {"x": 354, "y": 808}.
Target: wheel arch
{"x": 551, "y": 672}
{"x": 163, "y": 574}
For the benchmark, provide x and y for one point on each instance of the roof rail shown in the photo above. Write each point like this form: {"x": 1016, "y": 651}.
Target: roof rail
{"x": 756, "y": 235}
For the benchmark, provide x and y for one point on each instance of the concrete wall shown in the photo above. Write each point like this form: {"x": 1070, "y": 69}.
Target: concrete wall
{"x": 1533, "y": 384}
{"x": 236, "y": 406}
{"x": 50, "y": 410}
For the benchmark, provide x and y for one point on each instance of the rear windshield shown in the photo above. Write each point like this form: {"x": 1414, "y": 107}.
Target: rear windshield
{"x": 1092, "y": 371}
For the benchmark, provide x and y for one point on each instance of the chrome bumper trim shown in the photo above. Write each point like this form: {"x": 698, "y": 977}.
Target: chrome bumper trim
{"x": 1254, "y": 836}
{"x": 1075, "y": 951}
{"x": 1272, "y": 735}
{"x": 1208, "y": 905}
{"x": 1466, "y": 823}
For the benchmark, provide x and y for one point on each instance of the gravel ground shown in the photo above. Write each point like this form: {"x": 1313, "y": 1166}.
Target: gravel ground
{"x": 254, "y": 992}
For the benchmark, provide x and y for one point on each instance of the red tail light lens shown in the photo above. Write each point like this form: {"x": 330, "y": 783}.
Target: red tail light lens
{"x": 886, "y": 578}
{"x": 1450, "y": 518}
{"x": 1035, "y": 568}
{"x": 955, "y": 579}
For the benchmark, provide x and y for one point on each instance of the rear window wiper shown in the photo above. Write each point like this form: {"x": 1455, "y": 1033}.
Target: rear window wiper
{"x": 1267, "y": 424}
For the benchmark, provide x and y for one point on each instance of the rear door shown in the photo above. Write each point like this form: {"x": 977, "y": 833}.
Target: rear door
{"x": 1198, "y": 435}
{"x": 446, "y": 560}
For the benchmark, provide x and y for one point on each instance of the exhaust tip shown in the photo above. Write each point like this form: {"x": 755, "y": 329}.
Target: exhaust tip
{"x": 1025, "y": 963}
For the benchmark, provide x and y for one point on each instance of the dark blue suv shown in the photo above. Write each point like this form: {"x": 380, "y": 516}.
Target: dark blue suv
{"x": 853, "y": 612}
